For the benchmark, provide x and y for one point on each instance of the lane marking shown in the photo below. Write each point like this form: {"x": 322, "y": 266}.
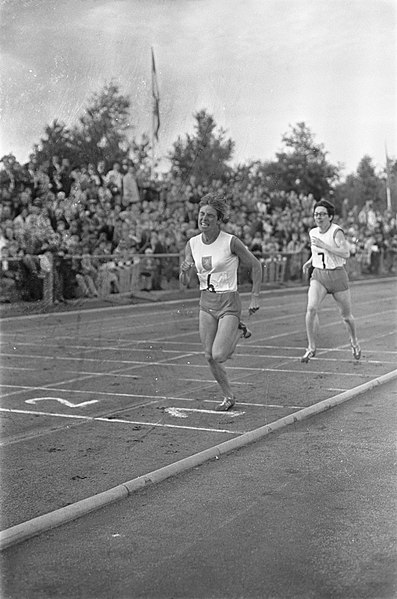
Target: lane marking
{"x": 179, "y": 412}
{"x": 64, "y": 402}
{"x": 121, "y": 421}
{"x": 175, "y": 412}
{"x": 170, "y": 305}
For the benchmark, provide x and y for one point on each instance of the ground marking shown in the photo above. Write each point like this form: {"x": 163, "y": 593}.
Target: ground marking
{"x": 267, "y": 295}
{"x": 64, "y": 402}
{"x": 121, "y": 421}
{"x": 180, "y": 412}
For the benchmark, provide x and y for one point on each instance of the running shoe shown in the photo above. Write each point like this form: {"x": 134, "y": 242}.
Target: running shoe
{"x": 245, "y": 332}
{"x": 356, "y": 351}
{"x": 309, "y": 353}
{"x": 227, "y": 404}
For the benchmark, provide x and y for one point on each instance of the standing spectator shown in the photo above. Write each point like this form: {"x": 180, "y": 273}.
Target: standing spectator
{"x": 54, "y": 173}
{"x": 114, "y": 178}
{"x": 64, "y": 177}
{"x": 130, "y": 188}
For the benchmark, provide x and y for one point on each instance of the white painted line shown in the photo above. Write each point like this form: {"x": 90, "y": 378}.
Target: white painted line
{"x": 211, "y": 381}
{"x": 140, "y": 395}
{"x": 266, "y": 293}
{"x": 260, "y": 405}
{"x": 64, "y": 402}
{"x": 36, "y": 526}
{"x": 177, "y": 412}
{"x": 164, "y": 425}
{"x": 122, "y": 421}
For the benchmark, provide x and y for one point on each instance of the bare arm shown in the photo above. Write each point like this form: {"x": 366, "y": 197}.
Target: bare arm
{"x": 339, "y": 249}
{"x": 307, "y": 265}
{"x": 186, "y": 265}
{"x": 247, "y": 258}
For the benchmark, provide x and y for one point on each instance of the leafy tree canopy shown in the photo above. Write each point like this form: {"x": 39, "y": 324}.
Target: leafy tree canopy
{"x": 301, "y": 166}
{"x": 362, "y": 186}
{"x": 203, "y": 155}
{"x": 101, "y": 132}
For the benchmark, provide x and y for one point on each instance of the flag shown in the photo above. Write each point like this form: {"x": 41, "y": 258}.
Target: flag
{"x": 156, "y": 101}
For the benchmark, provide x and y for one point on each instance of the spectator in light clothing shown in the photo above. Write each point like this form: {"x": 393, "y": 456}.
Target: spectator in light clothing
{"x": 114, "y": 177}
{"x": 130, "y": 188}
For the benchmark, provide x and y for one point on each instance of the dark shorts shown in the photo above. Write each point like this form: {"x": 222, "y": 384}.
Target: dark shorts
{"x": 333, "y": 280}
{"x": 220, "y": 304}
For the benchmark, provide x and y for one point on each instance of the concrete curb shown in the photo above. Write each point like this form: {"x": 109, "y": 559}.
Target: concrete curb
{"x": 25, "y": 530}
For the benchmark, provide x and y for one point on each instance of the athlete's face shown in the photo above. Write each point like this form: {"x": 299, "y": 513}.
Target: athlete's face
{"x": 208, "y": 219}
{"x": 322, "y": 218}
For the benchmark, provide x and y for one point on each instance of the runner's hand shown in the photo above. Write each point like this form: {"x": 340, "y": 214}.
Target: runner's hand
{"x": 186, "y": 266}
{"x": 254, "y": 305}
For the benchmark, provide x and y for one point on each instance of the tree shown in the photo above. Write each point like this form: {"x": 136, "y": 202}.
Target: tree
{"x": 363, "y": 186}
{"x": 57, "y": 141}
{"x": 203, "y": 155}
{"x": 100, "y": 134}
{"x": 302, "y": 166}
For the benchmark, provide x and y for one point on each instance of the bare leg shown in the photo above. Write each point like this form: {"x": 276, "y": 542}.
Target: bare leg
{"x": 219, "y": 339}
{"x": 343, "y": 299}
{"x": 315, "y": 296}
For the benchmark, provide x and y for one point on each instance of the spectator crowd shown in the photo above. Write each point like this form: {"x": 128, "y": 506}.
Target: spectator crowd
{"x": 86, "y": 220}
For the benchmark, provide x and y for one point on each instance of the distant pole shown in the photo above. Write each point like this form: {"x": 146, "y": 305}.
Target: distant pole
{"x": 388, "y": 193}
{"x": 155, "y": 107}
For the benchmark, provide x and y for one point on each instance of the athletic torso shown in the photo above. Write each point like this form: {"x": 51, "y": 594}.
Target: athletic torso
{"x": 322, "y": 258}
{"x": 216, "y": 265}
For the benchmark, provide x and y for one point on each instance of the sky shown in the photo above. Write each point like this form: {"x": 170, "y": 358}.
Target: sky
{"x": 258, "y": 66}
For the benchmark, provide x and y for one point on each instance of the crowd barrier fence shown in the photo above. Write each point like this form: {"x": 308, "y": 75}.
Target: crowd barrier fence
{"x": 43, "y": 277}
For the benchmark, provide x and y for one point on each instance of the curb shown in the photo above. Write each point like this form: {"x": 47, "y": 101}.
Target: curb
{"x": 26, "y": 530}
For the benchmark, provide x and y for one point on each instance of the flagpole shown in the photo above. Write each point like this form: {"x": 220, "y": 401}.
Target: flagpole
{"x": 388, "y": 194}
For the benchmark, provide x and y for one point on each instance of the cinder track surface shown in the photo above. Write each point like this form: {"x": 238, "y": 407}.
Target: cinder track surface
{"x": 93, "y": 398}
{"x": 306, "y": 513}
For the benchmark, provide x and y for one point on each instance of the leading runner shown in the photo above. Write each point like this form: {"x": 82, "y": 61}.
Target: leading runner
{"x": 216, "y": 256}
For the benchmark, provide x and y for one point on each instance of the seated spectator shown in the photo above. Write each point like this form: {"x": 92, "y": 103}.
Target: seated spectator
{"x": 10, "y": 272}
{"x": 147, "y": 269}
{"x": 86, "y": 275}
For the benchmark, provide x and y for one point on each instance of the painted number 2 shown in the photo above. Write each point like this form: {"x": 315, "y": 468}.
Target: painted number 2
{"x": 322, "y": 257}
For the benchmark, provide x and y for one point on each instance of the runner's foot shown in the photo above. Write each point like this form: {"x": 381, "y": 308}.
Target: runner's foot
{"x": 245, "y": 332}
{"x": 227, "y": 404}
{"x": 309, "y": 353}
{"x": 356, "y": 351}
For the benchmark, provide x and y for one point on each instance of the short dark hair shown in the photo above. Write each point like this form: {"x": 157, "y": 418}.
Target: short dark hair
{"x": 330, "y": 208}
{"x": 219, "y": 203}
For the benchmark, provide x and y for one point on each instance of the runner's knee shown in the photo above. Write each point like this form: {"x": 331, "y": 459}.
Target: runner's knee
{"x": 208, "y": 356}
{"x": 220, "y": 356}
{"x": 348, "y": 317}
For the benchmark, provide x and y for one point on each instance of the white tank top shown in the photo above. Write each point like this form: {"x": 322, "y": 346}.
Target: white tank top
{"x": 322, "y": 258}
{"x": 216, "y": 265}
